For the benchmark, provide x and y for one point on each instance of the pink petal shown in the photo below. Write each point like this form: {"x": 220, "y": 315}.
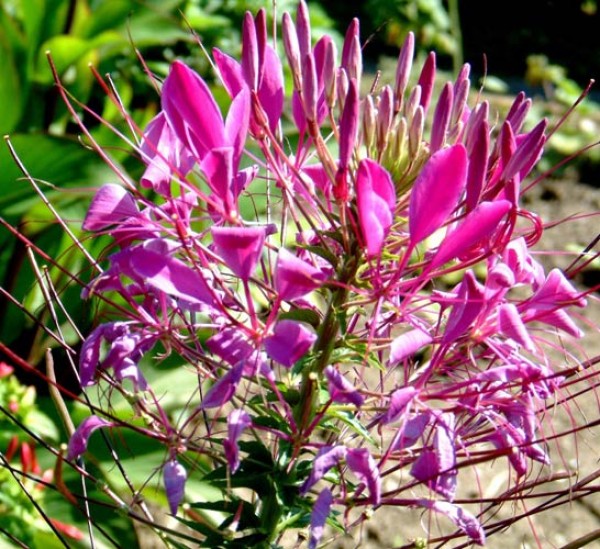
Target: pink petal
{"x": 224, "y": 389}
{"x": 240, "y": 248}
{"x": 477, "y": 226}
{"x": 436, "y": 467}
{"x": 399, "y": 401}
{"x": 271, "y": 91}
{"x": 230, "y": 71}
{"x": 326, "y": 458}
{"x": 511, "y": 325}
{"x": 110, "y": 205}
{"x": 469, "y": 303}
{"x": 236, "y": 125}
{"x": 436, "y": 191}
{"x": 376, "y": 200}
{"x": 556, "y": 292}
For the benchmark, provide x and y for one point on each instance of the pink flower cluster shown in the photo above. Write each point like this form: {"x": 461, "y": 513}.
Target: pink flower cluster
{"x": 303, "y": 259}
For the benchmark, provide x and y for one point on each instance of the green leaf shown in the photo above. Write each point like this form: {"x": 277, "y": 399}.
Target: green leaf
{"x": 11, "y": 98}
{"x": 62, "y": 162}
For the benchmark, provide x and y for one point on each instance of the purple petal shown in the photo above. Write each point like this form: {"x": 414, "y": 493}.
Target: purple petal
{"x": 271, "y": 91}
{"x": 341, "y": 390}
{"x": 240, "y": 248}
{"x": 236, "y": 125}
{"x": 289, "y": 343}
{"x": 436, "y": 191}
{"x": 231, "y": 345}
{"x": 399, "y": 401}
{"x": 169, "y": 275}
{"x": 110, "y": 205}
{"x": 192, "y": 111}
{"x": 407, "y": 344}
{"x": 461, "y": 518}
{"x": 79, "y": 440}
{"x": 511, "y": 325}
{"x": 174, "y": 476}
{"x": 230, "y": 71}
{"x": 376, "y": 200}
{"x": 469, "y": 303}
{"x": 326, "y": 458}
{"x": 318, "y": 517}
{"x": 362, "y": 464}
{"x": 295, "y": 277}
{"x": 436, "y": 467}
{"x": 477, "y": 226}
{"x": 556, "y": 292}
{"x": 237, "y": 421}
{"x": 349, "y": 125}
{"x": 224, "y": 389}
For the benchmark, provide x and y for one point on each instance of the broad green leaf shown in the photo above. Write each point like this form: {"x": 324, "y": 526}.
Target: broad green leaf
{"x": 11, "y": 97}
{"x": 60, "y": 161}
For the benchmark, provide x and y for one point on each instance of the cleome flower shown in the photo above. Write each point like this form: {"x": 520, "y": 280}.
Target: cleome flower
{"x": 382, "y": 317}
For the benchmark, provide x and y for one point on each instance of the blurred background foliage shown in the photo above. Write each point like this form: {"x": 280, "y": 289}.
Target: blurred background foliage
{"x": 551, "y": 49}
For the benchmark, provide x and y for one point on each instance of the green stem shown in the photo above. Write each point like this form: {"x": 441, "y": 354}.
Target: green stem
{"x": 324, "y": 346}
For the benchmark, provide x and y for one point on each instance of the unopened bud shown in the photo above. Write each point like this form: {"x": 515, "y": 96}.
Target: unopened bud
{"x": 310, "y": 88}
{"x": 441, "y": 118}
{"x": 292, "y": 49}
{"x": 415, "y": 133}
{"x": 303, "y": 29}
{"x": 426, "y": 80}
{"x": 403, "y": 68}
